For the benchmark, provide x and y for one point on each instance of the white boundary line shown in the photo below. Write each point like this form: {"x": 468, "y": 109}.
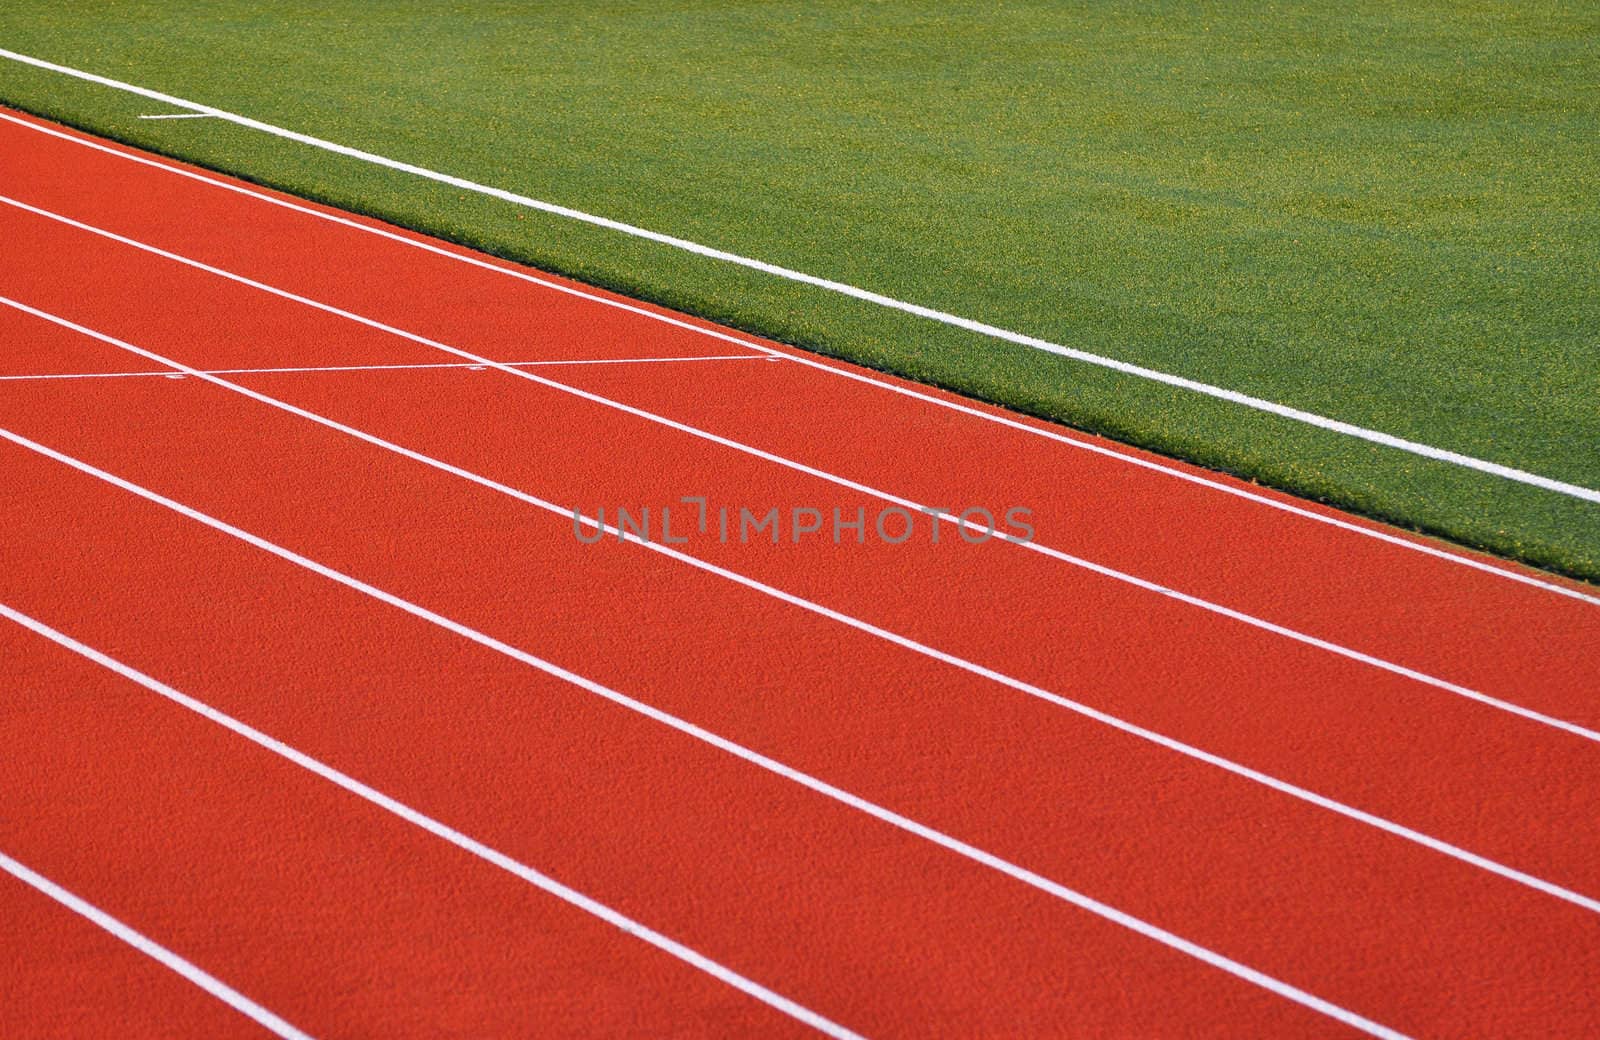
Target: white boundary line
{"x": 771, "y": 765}
{"x": 385, "y": 368}
{"x": 1108, "y": 451}
{"x": 1076, "y": 707}
{"x": 1103, "y": 570}
{"x": 942, "y": 317}
{"x": 472, "y": 846}
{"x": 145, "y": 945}
{"x": 181, "y": 115}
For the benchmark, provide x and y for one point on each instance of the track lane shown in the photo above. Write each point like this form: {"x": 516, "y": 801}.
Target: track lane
{"x": 1357, "y": 590}
{"x": 67, "y": 979}
{"x": 1272, "y": 901}
{"x": 1407, "y": 607}
{"x": 69, "y": 352}
{"x": 337, "y": 916}
{"x": 538, "y": 326}
{"x": 495, "y": 450}
{"x": 744, "y": 864}
{"x": 1493, "y": 784}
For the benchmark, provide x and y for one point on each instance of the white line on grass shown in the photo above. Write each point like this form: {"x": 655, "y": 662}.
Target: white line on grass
{"x": 181, "y": 115}
{"x": 771, "y": 765}
{"x": 991, "y": 416}
{"x": 387, "y": 368}
{"x": 1041, "y": 548}
{"x": 145, "y": 945}
{"x": 942, "y": 317}
{"x": 476, "y": 848}
{"x": 1076, "y": 707}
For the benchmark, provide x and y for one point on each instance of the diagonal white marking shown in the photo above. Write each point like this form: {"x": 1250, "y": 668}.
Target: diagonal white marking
{"x": 1077, "y": 707}
{"x": 387, "y": 368}
{"x": 141, "y": 942}
{"x": 1103, "y": 570}
{"x": 477, "y": 848}
{"x": 971, "y": 852}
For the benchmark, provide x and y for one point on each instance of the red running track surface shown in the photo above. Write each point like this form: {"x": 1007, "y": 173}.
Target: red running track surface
{"x": 1202, "y": 759}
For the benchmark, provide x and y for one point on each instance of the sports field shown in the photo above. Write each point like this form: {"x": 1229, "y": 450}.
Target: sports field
{"x": 1380, "y": 215}
{"x": 401, "y": 640}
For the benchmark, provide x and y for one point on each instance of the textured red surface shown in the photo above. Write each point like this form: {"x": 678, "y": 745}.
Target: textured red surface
{"x": 347, "y": 921}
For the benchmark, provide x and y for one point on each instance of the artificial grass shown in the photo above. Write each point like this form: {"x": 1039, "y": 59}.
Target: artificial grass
{"x": 1382, "y": 213}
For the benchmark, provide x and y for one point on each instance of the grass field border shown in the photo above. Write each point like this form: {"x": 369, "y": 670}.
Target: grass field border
{"x": 867, "y": 295}
{"x": 1479, "y": 532}
{"x": 765, "y": 352}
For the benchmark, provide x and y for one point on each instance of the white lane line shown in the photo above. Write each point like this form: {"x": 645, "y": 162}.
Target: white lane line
{"x": 144, "y": 944}
{"x": 1198, "y": 478}
{"x": 981, "y": 328}
{"x": 467, "y": 844}
{"x": 771, "y": 765}
{"x": 386, "y": 368}
{"x": 1108, "y": 450}
{"x": 181, "y": 115}
{"x": 1076, "y": 707}
{"x": 1328, "y": 646}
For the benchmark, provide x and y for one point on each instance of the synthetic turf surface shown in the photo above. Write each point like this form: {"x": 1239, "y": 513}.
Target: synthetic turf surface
{"x": 1309, "y": 746}
{"x": 1380, "y": 213}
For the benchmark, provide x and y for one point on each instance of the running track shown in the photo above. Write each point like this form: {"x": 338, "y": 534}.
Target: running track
{"x": 319, "y": 720}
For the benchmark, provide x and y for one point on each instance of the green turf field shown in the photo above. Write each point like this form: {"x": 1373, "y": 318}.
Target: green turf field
{"x": 1383, "y": 214}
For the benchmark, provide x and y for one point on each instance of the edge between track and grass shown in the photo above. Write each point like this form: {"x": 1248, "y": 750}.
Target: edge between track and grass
{"x": 1038, "y": 547}
{"x": 995, "y": 414}
{"x": 1509, "y": 543}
